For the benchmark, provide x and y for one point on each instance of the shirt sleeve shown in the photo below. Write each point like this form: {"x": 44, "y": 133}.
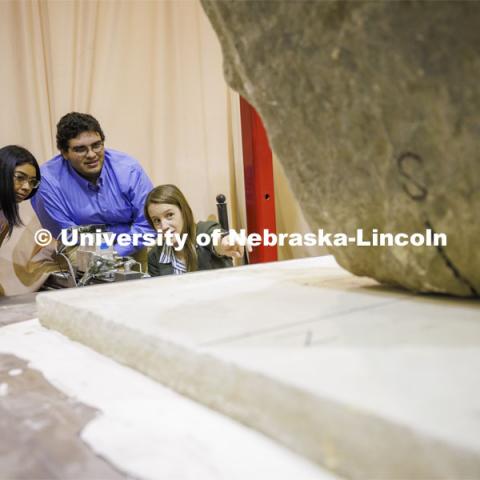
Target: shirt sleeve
{"x": 153, "y": 269}
{"x": 139, "y": 187}
{"x": 51, "y": 209}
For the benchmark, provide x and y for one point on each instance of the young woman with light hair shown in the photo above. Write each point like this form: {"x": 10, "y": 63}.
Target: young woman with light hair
{"x": 168, "y": 212}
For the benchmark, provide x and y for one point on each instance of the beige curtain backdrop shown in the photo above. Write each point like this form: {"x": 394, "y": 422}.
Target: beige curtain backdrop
{"x": 290, "y": 218}
{"x": 150, "y": 72}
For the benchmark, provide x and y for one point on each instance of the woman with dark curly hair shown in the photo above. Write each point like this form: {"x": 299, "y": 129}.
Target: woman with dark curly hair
{"x": 19, "y": 180}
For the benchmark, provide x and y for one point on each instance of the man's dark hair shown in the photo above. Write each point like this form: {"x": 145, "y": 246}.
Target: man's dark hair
{"x": 73, "y": 124}
{"x": 12, "y": 156}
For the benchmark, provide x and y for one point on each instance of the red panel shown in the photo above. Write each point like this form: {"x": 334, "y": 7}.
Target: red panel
{"x": 258, "y": 174}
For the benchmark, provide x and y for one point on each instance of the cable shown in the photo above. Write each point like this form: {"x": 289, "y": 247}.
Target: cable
{"x": 70, "y": 267}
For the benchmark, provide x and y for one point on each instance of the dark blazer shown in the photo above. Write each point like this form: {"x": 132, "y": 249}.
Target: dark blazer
{"x": 207, "y": 258}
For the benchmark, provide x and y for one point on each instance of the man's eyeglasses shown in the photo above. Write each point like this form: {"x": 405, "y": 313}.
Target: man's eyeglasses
{"x": 96, "y": 147}
{"x": 21, "y": 178}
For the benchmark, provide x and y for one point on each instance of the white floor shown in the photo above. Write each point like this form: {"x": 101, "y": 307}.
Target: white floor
{"x": 144, "y": 428}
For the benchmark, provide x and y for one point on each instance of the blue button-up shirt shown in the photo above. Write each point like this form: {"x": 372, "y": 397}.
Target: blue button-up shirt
{"x": 66, "y": 199}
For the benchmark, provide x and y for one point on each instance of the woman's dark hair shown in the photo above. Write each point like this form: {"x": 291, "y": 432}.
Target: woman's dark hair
{"x": 11, "y": 157}
{"x": 73, "y": 124}
{"x": 172, "y": 195}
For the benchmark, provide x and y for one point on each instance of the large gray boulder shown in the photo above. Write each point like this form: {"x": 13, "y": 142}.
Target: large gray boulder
{"x": 373, "y": 109}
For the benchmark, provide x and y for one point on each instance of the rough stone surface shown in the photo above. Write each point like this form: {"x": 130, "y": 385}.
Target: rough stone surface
{"x": 373, "y": 110}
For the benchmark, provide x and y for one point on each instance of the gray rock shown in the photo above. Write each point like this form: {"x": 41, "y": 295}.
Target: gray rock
{"x": 373, "y": 110}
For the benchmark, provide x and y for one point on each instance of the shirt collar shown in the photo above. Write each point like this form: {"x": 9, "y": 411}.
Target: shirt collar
{"x": 83, "y": 181}
{"x": 167, "y": 256}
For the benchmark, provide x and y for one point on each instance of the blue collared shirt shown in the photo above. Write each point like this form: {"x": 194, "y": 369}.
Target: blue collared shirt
{"x": 66, "y": 199}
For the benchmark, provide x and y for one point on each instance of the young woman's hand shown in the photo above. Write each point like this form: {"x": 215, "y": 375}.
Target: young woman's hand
{"x": 231, "y": 247}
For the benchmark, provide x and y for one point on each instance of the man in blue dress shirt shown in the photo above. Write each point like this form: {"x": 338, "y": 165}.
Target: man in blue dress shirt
{"x": 89, "y": 184}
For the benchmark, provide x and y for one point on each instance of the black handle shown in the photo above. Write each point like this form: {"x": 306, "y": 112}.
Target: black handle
{"x": 223, "y": 219}
{"x": 222, "y": 211}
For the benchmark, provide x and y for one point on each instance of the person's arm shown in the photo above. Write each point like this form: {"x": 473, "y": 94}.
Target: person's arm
{"x": 139, "y": 187}
{"x": 223, "y": 247}
{"x": 51, "y": 209}
{"x": 153, "y": 269}
{"x": 230, "y": 248}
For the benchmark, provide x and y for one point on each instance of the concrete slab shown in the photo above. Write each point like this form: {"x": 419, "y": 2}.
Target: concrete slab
{"x": 17, "y": 308}
{"x": 368, "y": 381}
{"x": 67, "y": 412}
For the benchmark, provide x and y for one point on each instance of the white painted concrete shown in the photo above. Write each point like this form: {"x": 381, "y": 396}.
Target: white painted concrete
{"x": 368, "y": 381}
{"x": 145, "y": 429}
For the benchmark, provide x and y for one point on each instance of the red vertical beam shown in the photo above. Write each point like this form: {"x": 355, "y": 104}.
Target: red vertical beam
{"x": 258, "y": 175}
